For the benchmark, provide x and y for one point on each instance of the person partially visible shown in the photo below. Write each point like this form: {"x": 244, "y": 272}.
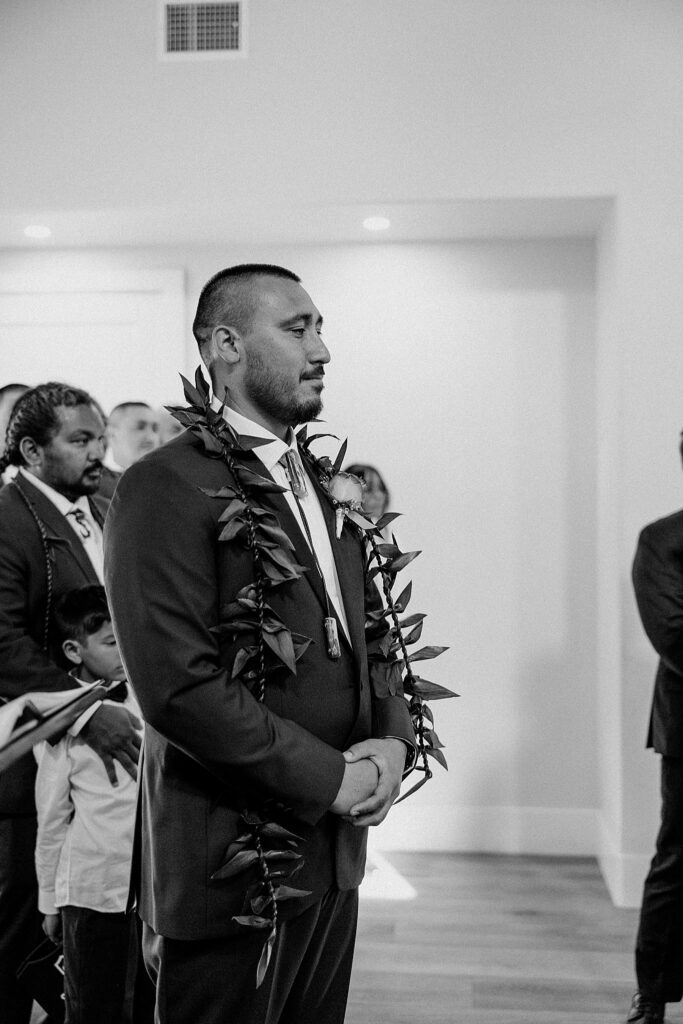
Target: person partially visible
{"x": 375, "y": 493}
{"x": 169, "y": 427}
{"x": 84, "y": 845}
{"x": 658, "y": 584}
{"x": 9, "y": 394}
{"x": 132, "y": 431}
{"x": 50, "y": 542}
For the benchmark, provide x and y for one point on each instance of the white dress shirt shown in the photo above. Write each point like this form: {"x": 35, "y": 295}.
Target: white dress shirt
{"x": 270, "y": 454}
{"x": 84, "y": 846}
{"x": 93, "y": 545}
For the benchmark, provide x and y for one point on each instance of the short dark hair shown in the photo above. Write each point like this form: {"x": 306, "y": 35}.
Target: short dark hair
{"x": 81, "y": 612}
{"x": 35, "y": 415}
{"x": 224, "y": 297}
{"x": 129, "y": 405}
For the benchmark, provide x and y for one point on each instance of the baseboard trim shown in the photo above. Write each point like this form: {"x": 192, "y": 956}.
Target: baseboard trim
{"x": 551, "y": 831}
{"x": 624, "y": 873}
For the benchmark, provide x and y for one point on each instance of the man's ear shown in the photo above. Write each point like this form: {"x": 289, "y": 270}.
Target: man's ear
{"x": 31, "y": 452}
{"x": 226, "y": 344}
{"x": 72, "y": 650}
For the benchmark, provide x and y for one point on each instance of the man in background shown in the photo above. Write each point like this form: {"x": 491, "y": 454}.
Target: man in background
{"x": 658, "y": 583}
{"x": 8, "y": 398}
{"x": 132, "y": 431}
{"x": 50, "y": 542}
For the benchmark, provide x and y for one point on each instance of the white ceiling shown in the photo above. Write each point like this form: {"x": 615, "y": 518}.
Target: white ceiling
{"x": 546, "y": 217}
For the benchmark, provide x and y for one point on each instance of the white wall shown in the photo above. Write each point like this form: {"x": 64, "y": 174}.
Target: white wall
{"x": 373, "y": 102}
{"x": 467, "y": 374}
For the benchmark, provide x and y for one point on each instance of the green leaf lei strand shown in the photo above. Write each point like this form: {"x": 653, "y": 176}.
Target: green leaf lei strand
{"x": 270, "y": 645}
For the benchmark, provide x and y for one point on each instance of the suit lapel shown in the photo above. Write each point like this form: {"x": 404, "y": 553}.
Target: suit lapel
{"x": 99, "y": 507}
{"x": 58, "y": 531}
{"x": 344, "y": 550}
{"x": 290, "y": 525}
{"x": 345, "y": 553}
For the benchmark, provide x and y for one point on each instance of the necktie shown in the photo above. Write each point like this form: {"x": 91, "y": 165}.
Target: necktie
{"x": 81, "y": 522}
{"x": 295, "y": 473}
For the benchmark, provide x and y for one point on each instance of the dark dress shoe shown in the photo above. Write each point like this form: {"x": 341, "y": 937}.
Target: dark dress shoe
{"x": 645, "y": 1010}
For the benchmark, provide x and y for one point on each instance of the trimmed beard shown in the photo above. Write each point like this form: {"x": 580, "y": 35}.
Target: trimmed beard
{"x": 267, "y": 391}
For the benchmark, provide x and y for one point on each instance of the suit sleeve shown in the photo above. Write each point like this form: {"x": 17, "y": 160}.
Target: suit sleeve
{"x": 24, "y": 666}
{"x": 161, "y": 576}
{"x": 658, "y": 584}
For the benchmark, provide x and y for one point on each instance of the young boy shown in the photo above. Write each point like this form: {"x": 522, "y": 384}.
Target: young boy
{"x": 85, "y": 835}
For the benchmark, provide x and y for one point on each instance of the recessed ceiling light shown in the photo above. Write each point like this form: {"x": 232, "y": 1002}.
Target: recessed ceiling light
{"x": 37, "y": 231}
{"x": 376, "y": 223}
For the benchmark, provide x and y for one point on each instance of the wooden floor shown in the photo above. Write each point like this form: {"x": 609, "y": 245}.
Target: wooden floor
{"x": 495, "y": 940}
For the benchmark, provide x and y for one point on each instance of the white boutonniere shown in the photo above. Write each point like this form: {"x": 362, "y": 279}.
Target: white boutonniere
{"x": 346, "y": 492}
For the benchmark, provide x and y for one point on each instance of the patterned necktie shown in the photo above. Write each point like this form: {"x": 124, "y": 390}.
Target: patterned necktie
{"x": 81, "y": 522}
{"x": 295, "y": 473}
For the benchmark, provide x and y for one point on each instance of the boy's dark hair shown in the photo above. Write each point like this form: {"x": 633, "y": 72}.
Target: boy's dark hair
{"x": 81, "y": 612}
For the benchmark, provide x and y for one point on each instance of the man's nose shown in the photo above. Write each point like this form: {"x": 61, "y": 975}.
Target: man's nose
{"x": 97, "y": 449}
{"x": 319, "y": 352}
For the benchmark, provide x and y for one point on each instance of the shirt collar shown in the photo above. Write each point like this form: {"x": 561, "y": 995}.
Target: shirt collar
{"x": 62, "y": 503}
{"x": 270, "y": 453}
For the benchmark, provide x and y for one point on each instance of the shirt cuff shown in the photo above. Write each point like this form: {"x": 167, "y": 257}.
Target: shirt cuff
{"x": 46, "y": 902}
{"x": 411, "y": 753}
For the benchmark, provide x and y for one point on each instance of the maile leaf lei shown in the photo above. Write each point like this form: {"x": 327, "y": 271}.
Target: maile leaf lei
{"x": 391, "y": 664}
{"x": 267, "y": 850}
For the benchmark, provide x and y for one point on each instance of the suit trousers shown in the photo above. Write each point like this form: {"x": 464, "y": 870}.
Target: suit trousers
{"x": 214, "y": 980}
{"x": 103, "y": 973}
{"x": 659, "y": 945}
{"x": 20, "y": 922}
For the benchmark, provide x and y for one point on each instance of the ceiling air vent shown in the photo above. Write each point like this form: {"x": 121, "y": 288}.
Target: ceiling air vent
{"x": 201, "y": 31}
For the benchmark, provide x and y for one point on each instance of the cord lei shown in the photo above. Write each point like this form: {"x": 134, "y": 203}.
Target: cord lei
{"x": 266, "y": 849}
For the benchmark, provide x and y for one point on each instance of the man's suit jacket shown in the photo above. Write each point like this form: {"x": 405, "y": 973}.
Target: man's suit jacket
{"x": 210, "y": 747}
{"x": 108, "y": 482}
{"x": 24, "y": 664}
{"x": 658, "y": 583}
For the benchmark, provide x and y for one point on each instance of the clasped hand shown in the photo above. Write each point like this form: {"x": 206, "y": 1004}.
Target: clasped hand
{"x": 372, "y": 780}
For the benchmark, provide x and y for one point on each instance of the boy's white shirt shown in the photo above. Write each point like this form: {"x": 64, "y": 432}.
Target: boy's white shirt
{"x": 85, "y": 827}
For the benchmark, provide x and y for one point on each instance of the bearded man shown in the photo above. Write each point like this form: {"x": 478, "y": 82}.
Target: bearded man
{"x": 315, "y": 756}
{"x": 51, "y": 523}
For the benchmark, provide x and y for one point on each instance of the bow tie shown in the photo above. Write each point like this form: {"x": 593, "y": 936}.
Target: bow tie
{"x": 119, "y": 692}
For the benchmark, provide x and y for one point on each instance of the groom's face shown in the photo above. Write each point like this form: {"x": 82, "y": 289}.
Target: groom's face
{"x": 284, "y": 351}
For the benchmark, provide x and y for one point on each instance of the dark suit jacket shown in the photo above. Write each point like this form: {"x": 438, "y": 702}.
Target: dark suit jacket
{"x": 108, "y": 482}
{"x": 24, "y": 665}
{"x": 210, "y": 747}
{"x": 658, "y": 582}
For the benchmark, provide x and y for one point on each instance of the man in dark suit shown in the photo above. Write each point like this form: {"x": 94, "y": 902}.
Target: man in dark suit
{"x": 658, "y": 583}
{"x": 322, "y": 754}
{"x": 50, "y": 542}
